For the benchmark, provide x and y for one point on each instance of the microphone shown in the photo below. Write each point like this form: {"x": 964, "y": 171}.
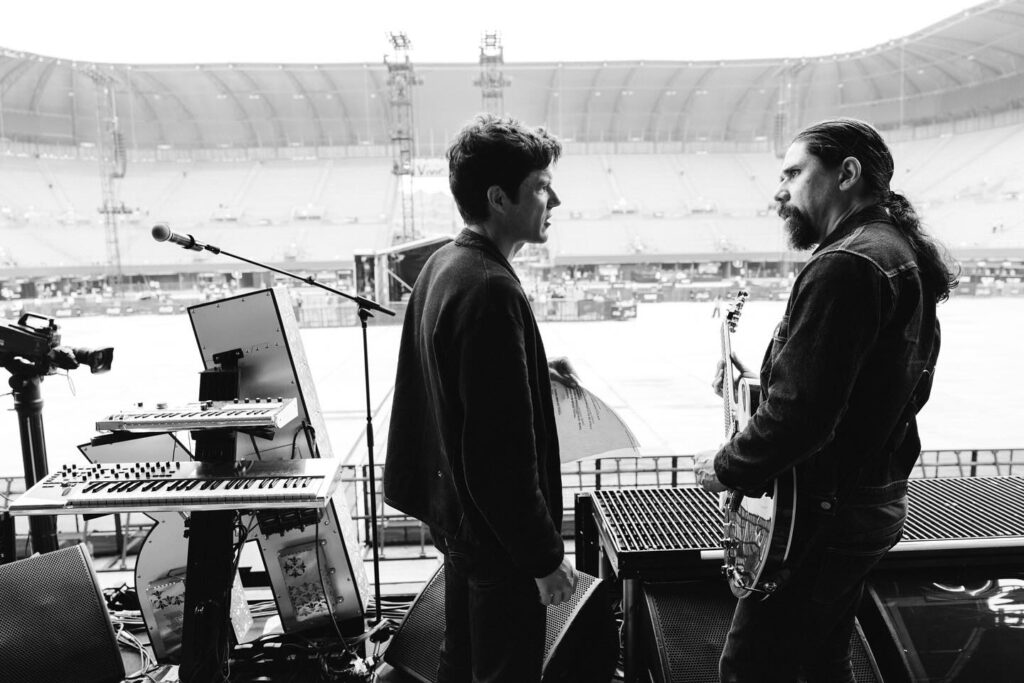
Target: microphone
{"x": 162, "y": 233}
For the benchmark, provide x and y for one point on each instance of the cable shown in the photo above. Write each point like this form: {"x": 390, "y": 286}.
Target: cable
{"x": 307, "y": 429}
{"x": 255, "y": 448}
{"x": 311, "y": 435}
{"x": 148, "y": 662}
{"x": 224, "y": 655}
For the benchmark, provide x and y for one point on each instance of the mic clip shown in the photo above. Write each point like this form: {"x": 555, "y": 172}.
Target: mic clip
{"x": 192, "y": 244}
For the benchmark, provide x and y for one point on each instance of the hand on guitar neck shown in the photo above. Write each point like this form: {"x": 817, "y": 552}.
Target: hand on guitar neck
{"x": 704, "y": 461}
{"x": 719, "y": 380}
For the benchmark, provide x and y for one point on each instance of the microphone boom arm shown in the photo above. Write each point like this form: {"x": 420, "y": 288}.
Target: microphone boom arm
{"x": 362, "y": 302}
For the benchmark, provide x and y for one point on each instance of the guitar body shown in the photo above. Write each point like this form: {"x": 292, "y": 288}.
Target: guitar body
{"x": 757, "y": 533}
{"x": 758, "y": 536}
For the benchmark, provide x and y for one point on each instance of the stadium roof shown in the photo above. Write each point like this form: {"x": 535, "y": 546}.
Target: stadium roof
{"x": 968, "y": 65}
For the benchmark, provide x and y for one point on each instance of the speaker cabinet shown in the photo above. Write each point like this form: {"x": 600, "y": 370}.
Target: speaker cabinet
{"x": 54, "y": 625}
{"x": 684, "y": 629}
{"x": 583, "y": 626}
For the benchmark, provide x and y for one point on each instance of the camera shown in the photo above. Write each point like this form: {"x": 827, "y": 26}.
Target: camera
{"x": 36, "y": 348}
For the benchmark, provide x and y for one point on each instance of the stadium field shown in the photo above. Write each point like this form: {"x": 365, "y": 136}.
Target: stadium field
{"x": 654, "y": 370}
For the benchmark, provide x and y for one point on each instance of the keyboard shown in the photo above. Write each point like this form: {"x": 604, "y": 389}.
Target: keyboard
{"x": 235, "y": 414}
{"x": 100, "y": 488}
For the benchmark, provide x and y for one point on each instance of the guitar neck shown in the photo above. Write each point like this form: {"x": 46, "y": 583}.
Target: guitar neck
{"x": 728, "y": 390}
{"x": 729, "y": 321}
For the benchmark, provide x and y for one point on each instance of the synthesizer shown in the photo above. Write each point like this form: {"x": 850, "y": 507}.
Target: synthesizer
{"x": 100, "y": 488}
{"x": 238, "y": 413}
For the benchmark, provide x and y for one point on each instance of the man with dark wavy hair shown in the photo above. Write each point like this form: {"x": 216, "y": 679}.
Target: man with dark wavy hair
{"x": 472, "y": 447}
{"x": 843, "y": 378}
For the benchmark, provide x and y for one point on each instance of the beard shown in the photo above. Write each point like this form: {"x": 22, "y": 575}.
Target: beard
{"x": 802, "y": 234}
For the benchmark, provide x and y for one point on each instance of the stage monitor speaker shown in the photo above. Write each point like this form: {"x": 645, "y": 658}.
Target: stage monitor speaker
{"x": 583, "y": 626}
{"x": 54, "y": 624}
{"x": 684, "y": 629}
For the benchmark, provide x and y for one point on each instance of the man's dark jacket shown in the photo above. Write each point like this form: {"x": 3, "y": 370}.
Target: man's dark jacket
{"x": 850, "y": 364}
{"x": 472, "y": 448}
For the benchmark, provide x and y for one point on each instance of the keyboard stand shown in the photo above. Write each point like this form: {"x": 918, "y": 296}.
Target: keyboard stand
{"x": 8, "y": 547}
{"x": 206, "y": 637}
{"x": 206, "y": 632}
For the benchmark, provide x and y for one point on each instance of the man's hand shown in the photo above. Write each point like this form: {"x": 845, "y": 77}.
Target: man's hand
{"x": 558, "y": 586}
{"x": 719, "y": 380}
{"x": 562, "y": 372}
{"x": 704, "y": 472}
{"x": 716, "y": 383}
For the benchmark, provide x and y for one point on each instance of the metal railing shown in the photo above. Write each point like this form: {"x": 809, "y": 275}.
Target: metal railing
{"x": 397, "y": 528}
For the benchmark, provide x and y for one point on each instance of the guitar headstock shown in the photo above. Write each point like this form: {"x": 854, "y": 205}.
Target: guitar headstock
{"x": 732, "y": 315}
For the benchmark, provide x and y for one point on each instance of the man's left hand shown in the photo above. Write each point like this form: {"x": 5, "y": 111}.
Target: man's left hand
{"x": 704, "y": 472}
{"x": 562, "y": 372}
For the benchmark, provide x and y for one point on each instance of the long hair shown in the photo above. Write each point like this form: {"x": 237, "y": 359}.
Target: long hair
{"x": 836, "y": 139}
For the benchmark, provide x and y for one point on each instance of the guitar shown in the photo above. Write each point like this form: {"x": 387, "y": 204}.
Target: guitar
{"x": 757, "y": 532}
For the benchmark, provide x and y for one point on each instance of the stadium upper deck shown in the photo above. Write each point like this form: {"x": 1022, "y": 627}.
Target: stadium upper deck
{"x": 666, "y": 161}
{"x": 970, "y": 65}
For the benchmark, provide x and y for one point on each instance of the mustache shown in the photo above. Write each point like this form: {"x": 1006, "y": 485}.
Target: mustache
{"x": 785, "y": 211}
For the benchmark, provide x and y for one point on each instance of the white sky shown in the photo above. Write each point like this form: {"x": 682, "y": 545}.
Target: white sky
{"x": 325, "y": 31}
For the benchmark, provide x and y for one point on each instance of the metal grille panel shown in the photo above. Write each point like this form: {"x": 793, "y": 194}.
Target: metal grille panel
{"x": 660, "y": 519}
{"x": 965, "y": 508}
{"x": 949, "y": 510}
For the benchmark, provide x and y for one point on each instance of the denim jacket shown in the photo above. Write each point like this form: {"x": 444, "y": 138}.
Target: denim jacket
{"x": 847, "y": 369}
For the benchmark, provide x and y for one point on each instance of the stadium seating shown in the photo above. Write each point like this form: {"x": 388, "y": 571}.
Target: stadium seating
{"x": 967, "y": 187}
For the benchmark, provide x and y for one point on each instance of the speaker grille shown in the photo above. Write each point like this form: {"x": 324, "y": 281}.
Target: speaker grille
{"x": 416, "y": 647}
{"x": 558, "y": 616}
{"x": 686, "y": 628}
{"x": 54, "y": 625}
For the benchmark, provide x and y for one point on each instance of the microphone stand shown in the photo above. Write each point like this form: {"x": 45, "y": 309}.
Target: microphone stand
{"x": 366, "y": 309}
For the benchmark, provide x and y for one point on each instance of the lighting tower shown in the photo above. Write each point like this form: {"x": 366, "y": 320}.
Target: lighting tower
{"x": 401, "y": 79}
{"x": 492, "y": 80}
{"x": 113, "y": 164}
{"x": 782, "y": 125}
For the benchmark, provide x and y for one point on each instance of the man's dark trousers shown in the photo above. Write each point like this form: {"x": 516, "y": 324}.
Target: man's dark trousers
{"x": 806, "y": 626}
{"x": 494, "y": 621}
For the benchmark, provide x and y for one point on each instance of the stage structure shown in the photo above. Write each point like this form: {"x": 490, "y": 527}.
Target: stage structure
{"x": 782, "y": 129}
{"x": 113, "y": 164}
{"x": 401, "y": 79}
{"x": 387, "y": 275}
{"x": 492, "y": 79}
